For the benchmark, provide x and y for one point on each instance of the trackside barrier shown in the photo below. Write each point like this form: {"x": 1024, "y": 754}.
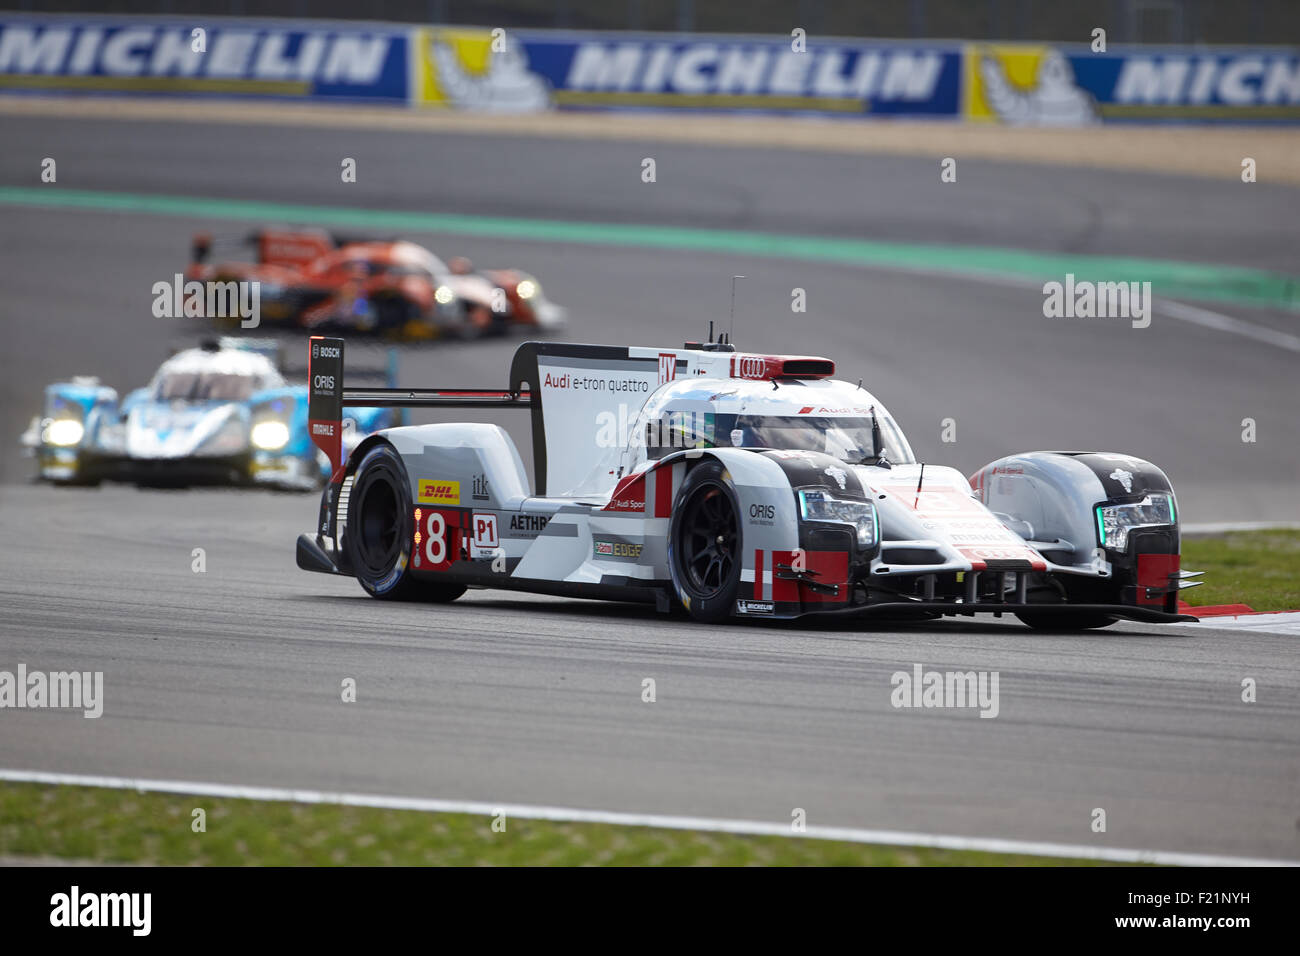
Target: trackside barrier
{"x": 497, "y": 71}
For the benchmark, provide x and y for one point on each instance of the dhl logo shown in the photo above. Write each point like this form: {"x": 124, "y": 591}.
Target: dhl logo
{"x": 435, "y": 491}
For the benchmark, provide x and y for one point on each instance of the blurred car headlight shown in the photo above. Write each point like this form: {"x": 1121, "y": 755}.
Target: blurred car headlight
{"x": 817, "y": 504}
{"x": 1114, "y": 522}
{"x": 269, "y": 435}
{"x": 527, "y": 289}
{"x": 443, "y": 295}
{"x": 64, "y": 432}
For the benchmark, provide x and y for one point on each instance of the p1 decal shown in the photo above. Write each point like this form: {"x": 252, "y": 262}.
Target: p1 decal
{"x": 436, "y": 491}
{"x": 484, "y": 542}
{"x": 437, "y": 539}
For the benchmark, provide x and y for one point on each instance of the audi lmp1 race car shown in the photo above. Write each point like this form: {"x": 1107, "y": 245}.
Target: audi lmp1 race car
{"x": 395, "y": 289}
{"x": 219, "y": 413}
{"x": 728, "y": 484}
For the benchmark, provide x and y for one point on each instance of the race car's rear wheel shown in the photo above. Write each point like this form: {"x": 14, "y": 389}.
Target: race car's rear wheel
{"x": 380, "y": 529}
{"x": 704, "y": 544}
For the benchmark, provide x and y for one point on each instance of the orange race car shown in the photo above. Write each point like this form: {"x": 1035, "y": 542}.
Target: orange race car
{"x": 392, "y": 288}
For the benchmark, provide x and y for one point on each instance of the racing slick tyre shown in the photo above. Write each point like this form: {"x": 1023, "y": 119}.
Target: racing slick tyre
{"x": 704, "y": 544}
{"x": 380, "y": 529}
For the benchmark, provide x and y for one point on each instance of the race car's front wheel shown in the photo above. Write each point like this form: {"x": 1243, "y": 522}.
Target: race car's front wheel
{"x": 380, "y": 530}
{"x": 704, "y": 544}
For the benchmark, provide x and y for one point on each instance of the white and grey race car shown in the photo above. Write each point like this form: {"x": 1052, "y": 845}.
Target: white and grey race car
{"x": 727, "y": 484}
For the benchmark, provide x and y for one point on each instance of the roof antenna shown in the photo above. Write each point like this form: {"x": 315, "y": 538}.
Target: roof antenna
{"x": 710, "y": 331}
{"x": 731, "y": 330}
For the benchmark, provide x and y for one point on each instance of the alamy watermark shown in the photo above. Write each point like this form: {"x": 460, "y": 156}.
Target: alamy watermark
{"x": 1084, "y": 299}
{"x": 925, "y": 689}
{"x": 208, "y": 300}
{"x": 58, "y": 690}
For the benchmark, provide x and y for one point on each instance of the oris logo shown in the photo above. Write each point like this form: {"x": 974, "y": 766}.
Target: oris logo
{"x": 324, "y": 381}
{"x": 762, "y": 511}
{"x": 749, "y": 366}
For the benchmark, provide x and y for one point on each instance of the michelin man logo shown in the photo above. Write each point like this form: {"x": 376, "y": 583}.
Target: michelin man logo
{"x": 1125, "y": 478}
{"x": 507, "y": 86}
{"x": 1053, "y": 101}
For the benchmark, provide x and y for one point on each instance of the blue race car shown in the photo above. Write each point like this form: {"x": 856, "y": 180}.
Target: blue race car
{"x": 221, "y": 413}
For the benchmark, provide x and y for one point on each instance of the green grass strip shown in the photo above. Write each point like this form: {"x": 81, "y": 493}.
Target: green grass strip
{"x": 1258, "y": 568}
{"x": 1220, "y": 283}
{"x": 123, "y": 826}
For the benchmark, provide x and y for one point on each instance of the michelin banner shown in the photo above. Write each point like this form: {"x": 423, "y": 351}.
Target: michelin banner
{"x": 218, "y": 57}
{"x": 493, "y": 70}
{"x": 537, "y": 69}
{"x": 1040, "y": 85}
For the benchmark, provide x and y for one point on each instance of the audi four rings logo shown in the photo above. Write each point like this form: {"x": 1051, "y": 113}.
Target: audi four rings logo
{"x": 751, "y": 366}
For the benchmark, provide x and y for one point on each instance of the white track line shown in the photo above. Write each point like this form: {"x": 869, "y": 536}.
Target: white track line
{"x": 567, "y": 815}
{"x": 1280, "y": 622}
{"x": 1226, "y": 323}
{"x": 1224, "y": 527}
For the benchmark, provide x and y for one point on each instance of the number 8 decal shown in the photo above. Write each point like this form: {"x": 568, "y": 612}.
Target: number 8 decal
{"x": 436, "y": 537}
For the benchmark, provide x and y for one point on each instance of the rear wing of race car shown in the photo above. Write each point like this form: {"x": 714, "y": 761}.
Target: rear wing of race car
{"x": 327, "y": 396}
{"x": 587, "y": 390}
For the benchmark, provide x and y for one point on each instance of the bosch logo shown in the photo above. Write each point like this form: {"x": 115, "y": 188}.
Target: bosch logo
{"x": 751, "y": 366}
{"x": 324, "y": 381}
{"x": 325, "y": 351}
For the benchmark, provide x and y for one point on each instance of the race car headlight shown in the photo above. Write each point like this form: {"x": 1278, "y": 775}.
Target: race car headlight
{"x": 1114, "y": 522}
{"x": 817, "y": 504}
{"x": 269, "y": 435}
{"x": 443, "y": 294}
{"x": 527, "y": 289}
{"x": 64, "y": 432}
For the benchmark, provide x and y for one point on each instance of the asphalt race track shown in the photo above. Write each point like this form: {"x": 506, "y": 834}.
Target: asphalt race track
{"x": 233, "y": 675}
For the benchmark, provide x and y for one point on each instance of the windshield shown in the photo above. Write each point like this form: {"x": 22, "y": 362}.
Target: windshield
{"x": 848, "y": 439}
{"x": 205, "y": 387}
